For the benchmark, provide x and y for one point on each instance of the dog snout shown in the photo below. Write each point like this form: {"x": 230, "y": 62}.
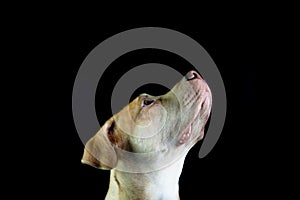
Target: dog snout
{"x": 191, "y": 75}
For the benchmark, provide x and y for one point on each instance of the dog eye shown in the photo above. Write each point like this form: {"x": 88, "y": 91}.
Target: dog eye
{"x": 147, "y": 102}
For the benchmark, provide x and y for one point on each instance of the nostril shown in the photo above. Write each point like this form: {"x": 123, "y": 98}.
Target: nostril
{"x": 192, "y": 75}
{"x": 195, "y": 75}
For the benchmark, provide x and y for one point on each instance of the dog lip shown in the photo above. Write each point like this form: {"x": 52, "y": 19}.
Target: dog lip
{"x": 184, "y": 137}
{"x": 186, "y": 134}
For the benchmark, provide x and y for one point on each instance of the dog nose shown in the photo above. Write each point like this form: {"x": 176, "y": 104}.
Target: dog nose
{"x": 191, "y": 75}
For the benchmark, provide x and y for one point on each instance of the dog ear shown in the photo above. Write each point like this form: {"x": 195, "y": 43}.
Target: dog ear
{"x": 99, "y": 151}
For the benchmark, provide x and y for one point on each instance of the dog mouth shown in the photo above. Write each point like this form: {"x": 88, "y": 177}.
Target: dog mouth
{"x": 191, "y": 128}
{"x": 197, "y": 100}
{"x": 186, "y": 135}
{"x": 187, "y": 132}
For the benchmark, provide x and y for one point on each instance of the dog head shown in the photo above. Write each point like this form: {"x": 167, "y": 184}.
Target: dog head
{"x": 152, "y": 130}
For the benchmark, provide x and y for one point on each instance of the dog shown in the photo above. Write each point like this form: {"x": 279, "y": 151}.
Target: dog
{"x": 144, "y": 145}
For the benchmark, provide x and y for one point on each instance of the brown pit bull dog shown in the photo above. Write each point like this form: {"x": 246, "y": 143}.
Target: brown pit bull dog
{"x": 145, "y": 144}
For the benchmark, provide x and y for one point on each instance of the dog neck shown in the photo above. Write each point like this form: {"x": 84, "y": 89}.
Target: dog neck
{"x": 161, "y": 184}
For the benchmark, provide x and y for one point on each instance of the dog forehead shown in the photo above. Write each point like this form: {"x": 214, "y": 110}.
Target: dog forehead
{"x": 140, "y": 121}
{"x": 128, "y": 112}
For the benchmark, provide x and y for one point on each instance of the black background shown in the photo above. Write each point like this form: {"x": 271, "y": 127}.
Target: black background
{"x": 238, "y": 166}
